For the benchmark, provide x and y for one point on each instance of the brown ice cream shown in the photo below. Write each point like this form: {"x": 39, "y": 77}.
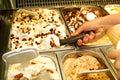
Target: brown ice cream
{"x": 75, "y": 64}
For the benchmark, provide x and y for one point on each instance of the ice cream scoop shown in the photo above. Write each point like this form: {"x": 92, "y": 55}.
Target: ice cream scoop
{"x": 73, "y": 39}
{"x": 94, "y": 71}
{"x": 53, "y": 40}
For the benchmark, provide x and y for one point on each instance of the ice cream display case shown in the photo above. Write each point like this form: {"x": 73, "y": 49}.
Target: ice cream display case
{"x": 42, "y": 25}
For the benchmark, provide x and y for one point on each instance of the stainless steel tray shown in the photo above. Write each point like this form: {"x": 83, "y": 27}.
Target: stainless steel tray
{"x": 95, "y": 52}
{"x": 76, "y": 16}
{"x": 26, "y": 54}
{"x": 10, "y": 16}
{"x": 52, "y": 55}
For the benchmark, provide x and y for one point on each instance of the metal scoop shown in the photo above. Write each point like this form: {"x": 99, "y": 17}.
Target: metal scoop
{"x": 93, "y": 71}
{"x": 73, "y": 39}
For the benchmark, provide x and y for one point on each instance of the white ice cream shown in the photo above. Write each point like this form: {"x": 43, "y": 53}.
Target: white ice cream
{"x": 30, "y": 31}
{"x": 90, "y": 16}
{"x": 51, "y": 41}
{"x": 34, "y": 69}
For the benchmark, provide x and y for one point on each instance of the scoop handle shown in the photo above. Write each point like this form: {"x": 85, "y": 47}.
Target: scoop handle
{"x": 73, "y": 39}
{"x": 94, "y": 71}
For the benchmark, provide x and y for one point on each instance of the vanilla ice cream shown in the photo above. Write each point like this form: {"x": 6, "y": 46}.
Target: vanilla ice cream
{"x": 40, "y": 68}
{"x": 29, "y": 30}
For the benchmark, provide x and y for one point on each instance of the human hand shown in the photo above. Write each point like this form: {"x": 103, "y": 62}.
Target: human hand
{"x": 97, "y": 25}
{"x": 115, "y": 54}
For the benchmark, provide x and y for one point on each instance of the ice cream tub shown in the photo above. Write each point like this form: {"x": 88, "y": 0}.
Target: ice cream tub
{"x": 73, "y": 62}
{"x": 76, "y": 16}
{"x": 29, "y": 64}
{"x": 112, "y": 8}
{"x": 38, "y": 27}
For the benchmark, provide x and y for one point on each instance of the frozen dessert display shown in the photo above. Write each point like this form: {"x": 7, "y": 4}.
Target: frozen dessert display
{"x": 74, "y": 63}
{"x": 31, "y": 27}
{"x": 75, "y": 17}
{"x": 39, "y": 68}
{"x": 113, "y": 8}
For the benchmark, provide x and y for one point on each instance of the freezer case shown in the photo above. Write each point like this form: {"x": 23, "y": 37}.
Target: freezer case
{"x": 8, "y": 14}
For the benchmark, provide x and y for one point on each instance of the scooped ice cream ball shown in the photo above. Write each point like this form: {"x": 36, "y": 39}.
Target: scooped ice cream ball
{"x": 90, "y": 16}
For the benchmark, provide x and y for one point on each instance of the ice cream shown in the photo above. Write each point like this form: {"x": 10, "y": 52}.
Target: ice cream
{"x": 51, "y": 41}
{"x": 113, "y": 8}
{"x": 29, "y": 30}
{"x": 74, "y": 18}
{"x": 77, "y": 16}
{"x": 40, "y": 68}
{"x": 75, "y": 64}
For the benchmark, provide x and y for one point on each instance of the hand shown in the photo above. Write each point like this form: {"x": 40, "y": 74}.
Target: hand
{"x": 96, "y": 25}
{"x": 115, "y": 54}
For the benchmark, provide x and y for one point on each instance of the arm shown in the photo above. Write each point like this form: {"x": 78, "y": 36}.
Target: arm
{"x": 99, "y": 25}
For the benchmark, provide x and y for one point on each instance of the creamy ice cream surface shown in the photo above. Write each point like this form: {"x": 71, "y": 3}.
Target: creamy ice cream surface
{"x": 29, "y": 30}
{"x": 73, "y": 65}
{"x": 40, "y": 68}
{"x": 51, "y": 41}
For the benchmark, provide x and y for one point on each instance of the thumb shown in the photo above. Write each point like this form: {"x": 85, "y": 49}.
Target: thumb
{"x": 78, "y": 31}
{"x": 114, "y": 54}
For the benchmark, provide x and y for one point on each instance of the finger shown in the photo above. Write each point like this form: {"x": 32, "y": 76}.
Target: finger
{"x": 92, "y": 37}
{"x": 117, "y": 64}
{"x": 87, "y": 26}
{"x": 84, "y": 27}
{"x": 118, "y": 75}
{"x": 79, "y": 42}
{"x": 114, "y": 54}
{"x": 117, "y": 67}
{"x": 86, "y": 39}
{"x": 98, "y": 35}
{"x": 78, "y": 31}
